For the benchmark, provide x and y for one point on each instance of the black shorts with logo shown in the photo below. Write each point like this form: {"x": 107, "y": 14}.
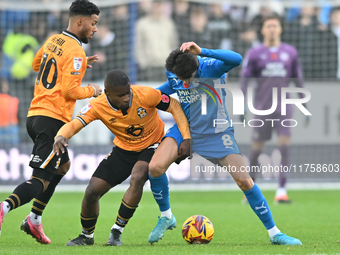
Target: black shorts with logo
{"x": 116, "y": 167}
{"x": 42, "y": 130}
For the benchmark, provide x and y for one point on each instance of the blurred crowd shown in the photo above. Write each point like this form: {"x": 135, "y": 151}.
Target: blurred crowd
{"x": 137, "y": 38}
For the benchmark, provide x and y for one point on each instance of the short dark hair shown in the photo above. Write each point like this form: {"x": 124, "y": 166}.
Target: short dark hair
{"x": 83, "y": 8}
{"x": 270, "y": 17}
{"x": 183, "y": 64}
{"x": 116, "y": 78}
{"x": 334, "y": 9}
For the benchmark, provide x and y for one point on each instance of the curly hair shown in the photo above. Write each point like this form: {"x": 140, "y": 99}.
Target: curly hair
{"x": 183, "y": 64}
{"x": 83, "y": 8}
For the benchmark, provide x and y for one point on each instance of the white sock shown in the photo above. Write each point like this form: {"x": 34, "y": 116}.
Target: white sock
{"x": 88, "y": 235}
{"x": 273, "y": 231}
{"x": 167, "y": 213}
{"x": 6, "y": 207}
{"x": 35, "y": 219}
{"x": 115, "y": 226}
{"x": 281, "y": 192}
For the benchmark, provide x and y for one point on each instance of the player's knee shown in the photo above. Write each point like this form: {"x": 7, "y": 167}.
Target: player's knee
{"x": 137, "y": 181}
{"x": 92, "y": 194}
{"x": 245, "y": 183}
{"x": 156, "y": 169}
{"x": 62, "y": 170}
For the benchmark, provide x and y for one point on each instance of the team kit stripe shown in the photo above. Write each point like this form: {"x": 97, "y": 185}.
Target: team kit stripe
{"x": 213, "y": 90}
{"x": 49, "y": 158}
{"x": 10, "y": 199}
{"x": 129, "y": 206}
{"x": 81, "y": 120}
{"x": 120, "y": 217}
{"x": 69, "y": 35}
{"x": 38, "y": 209}
{"x": 89, "y": 228}
{"x": 39, "y": 202}
{"x": 17, "y": 197}
{"x": 88, "y": 218}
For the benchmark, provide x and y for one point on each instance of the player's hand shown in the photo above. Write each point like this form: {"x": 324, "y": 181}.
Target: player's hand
{"x": 191, "y": 47}
{"x": 98, "y": 91}
{"x": 60, "y": 143}
{"x": 184, "y": 151}
{"x": 91, "y": 60}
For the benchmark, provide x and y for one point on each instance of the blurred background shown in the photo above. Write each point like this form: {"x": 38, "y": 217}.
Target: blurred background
{"x": 137, "y": 36}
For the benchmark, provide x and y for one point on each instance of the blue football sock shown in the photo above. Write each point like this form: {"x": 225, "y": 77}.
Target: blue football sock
{"x": 260, "y": 206}
{"x": 160, "y": 191}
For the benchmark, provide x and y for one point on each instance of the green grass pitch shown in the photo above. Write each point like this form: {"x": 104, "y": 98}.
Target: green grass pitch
{"x": 313, "y": 217}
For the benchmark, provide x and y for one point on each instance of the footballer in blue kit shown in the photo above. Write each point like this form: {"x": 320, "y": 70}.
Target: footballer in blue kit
{"x": 208, "y": 141}
{"x": 193, "y": 73}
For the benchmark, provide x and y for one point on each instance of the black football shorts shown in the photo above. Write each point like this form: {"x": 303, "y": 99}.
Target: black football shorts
{"x": 116, "y": 167}
{"x": 42, "y": 130}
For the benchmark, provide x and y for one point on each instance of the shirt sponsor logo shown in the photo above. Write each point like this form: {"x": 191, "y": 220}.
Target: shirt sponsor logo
{"x": 75, "y": 73}
{"x": 134, "y": 130}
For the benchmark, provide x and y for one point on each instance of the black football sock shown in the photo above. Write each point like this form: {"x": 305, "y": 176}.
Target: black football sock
{"x": 40, "y": 202}
{"x": 88, "y": 224}
{"x": 25, "y": 192}
{"x": 125, "y": 212}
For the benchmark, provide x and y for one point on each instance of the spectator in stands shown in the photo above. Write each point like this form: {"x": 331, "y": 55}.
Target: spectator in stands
{"x": 38, "y": 19}
{"x": 120, "y": 27}
{"x": 199, "y": 28}
{"x": 220, "y": 28}
{"x": 260, "y": 9}
{"x": 236, "y": 13}
{"x": 9, "y": 129}
{"x": 19, "y": 49}
{"x": 181, "y": 18}
{"x": 326, "y": 49}
{"x": 144, "y": 8}
{"x": 56, "y": 21}
{"x": 302, "y": 33}
{"x": 102, "y": 46}
{"x": 155, "y": 37}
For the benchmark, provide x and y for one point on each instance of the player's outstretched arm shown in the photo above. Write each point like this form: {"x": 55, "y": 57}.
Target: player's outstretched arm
{"x": 229, "y": 59}
{"x": 167, "y": 87}
{"x": 65, "y": 133}
{"x": 175, "y": 109}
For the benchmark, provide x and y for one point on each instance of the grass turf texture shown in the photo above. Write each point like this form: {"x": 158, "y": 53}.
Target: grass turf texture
{"x": 313, "y": 218}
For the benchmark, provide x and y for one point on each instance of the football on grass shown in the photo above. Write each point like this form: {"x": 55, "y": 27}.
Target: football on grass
{"x": 197, "y": 229}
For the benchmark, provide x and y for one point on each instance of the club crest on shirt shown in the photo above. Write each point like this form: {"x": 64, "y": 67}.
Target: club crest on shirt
{"x": 284, "y": 56}
{"x": 77, "y": 63}
{"x": 141, "y": 112}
